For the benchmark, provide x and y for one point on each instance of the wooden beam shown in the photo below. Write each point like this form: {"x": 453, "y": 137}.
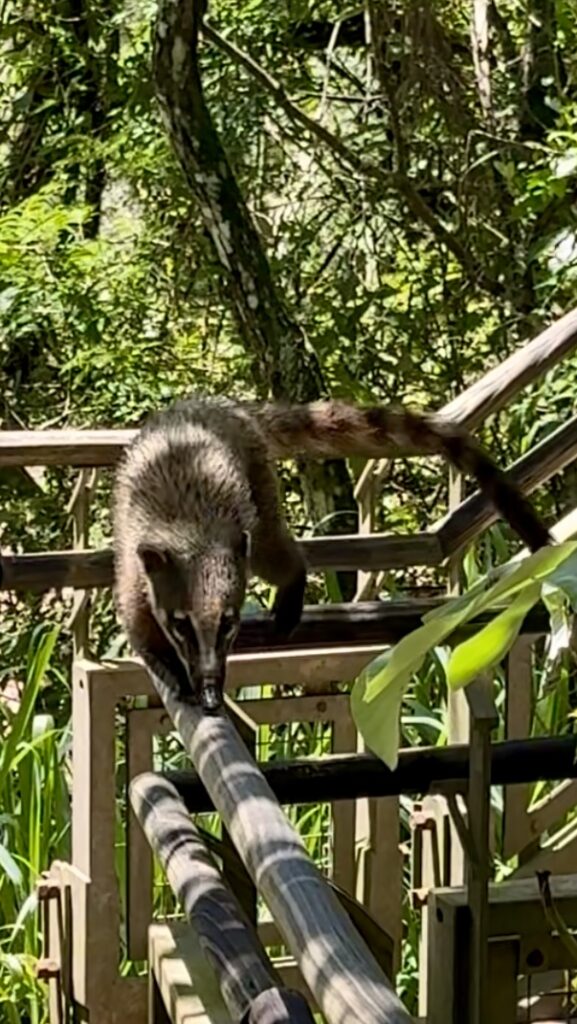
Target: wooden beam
{"x": 352, "y": 776}
{"x": 63, "y": 447}
{"x": 181, "y": 978}
{"x": 340, "y": 971}
{"x": 243, "y": 971}
{"x": 476, "y": 513}
{"x": 46, "y": 570}
{"x": 526, "y": 364}
{"x": 492, "y": 392}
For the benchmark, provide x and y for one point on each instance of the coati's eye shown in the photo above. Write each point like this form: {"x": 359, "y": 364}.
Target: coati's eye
{"x": 181, "y": 626}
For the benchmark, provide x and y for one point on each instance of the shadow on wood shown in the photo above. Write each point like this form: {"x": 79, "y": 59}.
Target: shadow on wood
{"x": 338, "y": 968}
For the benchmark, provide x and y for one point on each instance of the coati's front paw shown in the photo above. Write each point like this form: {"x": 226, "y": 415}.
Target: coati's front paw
{"x": 288, "y": 606}
{"x": 211, "y": 697}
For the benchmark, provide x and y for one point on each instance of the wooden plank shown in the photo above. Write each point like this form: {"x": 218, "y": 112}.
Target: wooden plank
{"x": 278, "y": 710}
{"x": 458, "y": 725}
{"x": 344, "y": 740}
{"x": 300, "y": 667}
{"x": 79, "y": 509}
{"x": 45, "y": 570}
{"x": 228, "y": 940}
{"x": 377, "y": 844}
{"x": 96, "y": 950}
{"x": 185, "y": 980}
{"x": 339, "y": 969}
{"x": 374, "y": 551}
{"x": 518, "y": 706}
{"x": 515, "y": 906}
{"x": 139, "y": 868}
{"x": 533, "y": 469}
{"x": 63, "y": 447}
{"x": 530, "y": 361}
{"x": 352, "y": 776}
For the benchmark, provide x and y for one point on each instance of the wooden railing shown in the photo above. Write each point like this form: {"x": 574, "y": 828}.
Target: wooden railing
{"x": 486, "y": 396}
{"x": 370, "y": 552}
{"x": 355, "y": 632}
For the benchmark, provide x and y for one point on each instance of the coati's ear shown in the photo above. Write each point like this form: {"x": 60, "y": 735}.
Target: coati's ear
{"x": 153, "y": 559}
{"x": 245, "y": 544}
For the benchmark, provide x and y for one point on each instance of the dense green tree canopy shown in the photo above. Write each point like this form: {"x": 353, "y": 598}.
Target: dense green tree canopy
{"x": 408, "y": 170}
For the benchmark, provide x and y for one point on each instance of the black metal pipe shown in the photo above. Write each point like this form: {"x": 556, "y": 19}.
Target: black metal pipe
{"x": 350, "y": 776}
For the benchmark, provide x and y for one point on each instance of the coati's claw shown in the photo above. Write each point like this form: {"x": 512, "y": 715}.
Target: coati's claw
{"x": 211, "y": 697}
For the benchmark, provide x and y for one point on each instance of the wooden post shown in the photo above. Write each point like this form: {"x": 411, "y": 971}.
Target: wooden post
{"x": 79, "y": 508}
{"x": 248, "y": 983}
{"x": 458, "y": 713}
{"x": 483, "y": 719}
{"x": 340, "y": 971}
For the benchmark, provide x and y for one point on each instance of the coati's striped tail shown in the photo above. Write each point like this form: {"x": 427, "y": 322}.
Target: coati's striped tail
{"x": 335, "y": 430}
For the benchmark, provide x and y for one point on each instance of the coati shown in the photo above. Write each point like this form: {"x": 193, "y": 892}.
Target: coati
{"x": 196, "y": 510}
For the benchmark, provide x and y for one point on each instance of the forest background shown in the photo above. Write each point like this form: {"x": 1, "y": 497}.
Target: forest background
{"x": 408, "y": 171}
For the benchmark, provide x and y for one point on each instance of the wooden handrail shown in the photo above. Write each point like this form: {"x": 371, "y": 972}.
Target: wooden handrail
{"x": 104, "y": 447}
{"x": 86, "y": 569}
{"x": 334, "y": 777}
{"x": 339, "y": 969}
{"x": 492, "y": 392}
{"x": 81, "y": 570}
{"x": 476, "y": 513}
{"x": 63, "y": 447}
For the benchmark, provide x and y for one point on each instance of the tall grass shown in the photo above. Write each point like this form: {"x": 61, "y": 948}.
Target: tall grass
{"x": 34, "y": 829}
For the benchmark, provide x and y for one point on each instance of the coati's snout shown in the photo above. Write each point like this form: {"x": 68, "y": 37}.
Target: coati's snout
{"x": 196, "y": 600}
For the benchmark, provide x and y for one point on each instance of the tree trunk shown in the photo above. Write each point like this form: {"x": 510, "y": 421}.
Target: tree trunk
{"x": 284, "y": 364}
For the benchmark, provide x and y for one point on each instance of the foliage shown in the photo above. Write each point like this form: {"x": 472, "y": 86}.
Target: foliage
{"x": 34, "y": 827}
{"x": 415, "y": 257}
{"x": 377, "y": 696}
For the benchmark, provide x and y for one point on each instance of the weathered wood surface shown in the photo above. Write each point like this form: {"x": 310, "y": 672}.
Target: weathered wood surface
{"x": 352, "y": 776}
{"x": 340, "y": 971}
{"x": 227, "y": 937}
{"x": 63, "y": 447}
{"x": 476, "y": 513}
{"x": 525, "y": 365}
{"x": 83, "y": 569}
{"x": 180, "y": 979}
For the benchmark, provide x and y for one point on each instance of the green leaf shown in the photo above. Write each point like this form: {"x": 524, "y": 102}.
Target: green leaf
{"x": 486, "y": 649}
{"x": 378, "y": 721}
{"x": 38, "y": 661}
{"x": 9, "y": 866}
{"x": 564, "y": 577}
{"x": 408, "y": 655}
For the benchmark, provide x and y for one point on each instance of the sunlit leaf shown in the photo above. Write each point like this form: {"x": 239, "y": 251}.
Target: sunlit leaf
{"x": 9, "y": 866}
{"x": 378, "y": 721}
{"x": 486, "y": 649}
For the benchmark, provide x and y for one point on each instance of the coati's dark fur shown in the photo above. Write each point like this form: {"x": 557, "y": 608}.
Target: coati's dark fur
{"x": 196, "y": 510}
